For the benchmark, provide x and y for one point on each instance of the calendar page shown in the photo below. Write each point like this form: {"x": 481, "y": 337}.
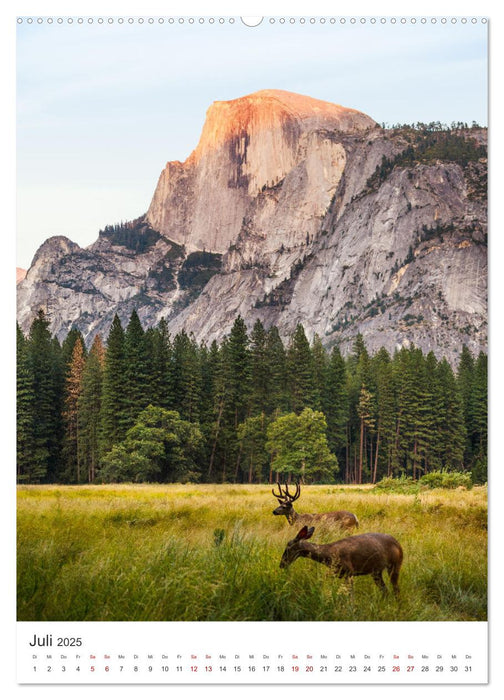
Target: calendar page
{"x": 251, "y": 350}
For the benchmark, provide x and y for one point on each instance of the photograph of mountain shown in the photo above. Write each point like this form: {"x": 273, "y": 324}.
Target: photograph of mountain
{"x": 292, "y": 210}
{"x": 296, "y": 310}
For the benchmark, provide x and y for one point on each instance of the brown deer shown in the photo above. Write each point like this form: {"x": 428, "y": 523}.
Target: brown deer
{"x": 340, "y": 518}
{"x": 352, "y": 556}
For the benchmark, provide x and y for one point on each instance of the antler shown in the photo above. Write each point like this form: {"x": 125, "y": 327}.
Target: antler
{"x": 279, "y": 495}
{"x": 285, "y": 495}
{"x": 295, "y": 496}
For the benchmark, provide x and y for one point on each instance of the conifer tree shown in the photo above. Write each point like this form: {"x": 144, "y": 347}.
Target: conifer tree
{"x": 44, "y": 366}
{"x": 210, "y": 364}
{"x": 359, "y": 362}
{"x": 278, "y": 398}
{"x": 366, "y": 423}
{"x": 67, "y": 347}
{"x": 252, "y": 436}
{"x": 449, "y": 428}
{"x": 320, "y": 367}
{"x": 419, "y": 413}
{"x": 161, "y": 351}
{"x": 217, "y": 429}
{"x": 113, "y": 420}
{"x": 89, "y": 409}
{"x": 137, "y": 370}
{"x": 237, "y": 378}
{"x": 207, "y": 358}
{"x": 358, "y": 377}
{"x": 186, "y": 377}
{"x": 434, "y": 456}
{"x": 58, "y": 380}
{"x": 73, "y": 387}
{"x": 260, "y": 371}
{"x": 465, "y": 383}
{"x": 385, "y": 414}
{"x": 24, "y": 410}
{"x": 301, "y": 372}
{"x": 237, "y": 370}
{"x": 402, "y": 379}
{"x": 335, "y": 404}
{"x": 480, "y": 433}
{"x": 415, "y": 392}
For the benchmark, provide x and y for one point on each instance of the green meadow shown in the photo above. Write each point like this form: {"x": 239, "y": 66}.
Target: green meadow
{"x": 212, "y": 552}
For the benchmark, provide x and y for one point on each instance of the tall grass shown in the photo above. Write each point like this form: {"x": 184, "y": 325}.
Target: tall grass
{"x": 212, "y": 552}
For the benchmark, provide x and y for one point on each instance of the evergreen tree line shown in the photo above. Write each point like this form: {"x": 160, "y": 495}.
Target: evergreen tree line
{"x": 429, "y": 147}
{"x": 426, "y": 127}
{"x": 146, "y": 406}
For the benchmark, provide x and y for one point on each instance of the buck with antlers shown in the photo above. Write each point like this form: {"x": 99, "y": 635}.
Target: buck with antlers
{"x": 352, "y": 556}
{"x": 339, "y": 518}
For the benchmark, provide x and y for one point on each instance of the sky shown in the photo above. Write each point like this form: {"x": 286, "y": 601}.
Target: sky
{"x": 102, "y": 107}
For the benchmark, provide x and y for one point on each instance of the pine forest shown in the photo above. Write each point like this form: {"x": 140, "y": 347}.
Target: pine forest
{"x": 143, "y": 406}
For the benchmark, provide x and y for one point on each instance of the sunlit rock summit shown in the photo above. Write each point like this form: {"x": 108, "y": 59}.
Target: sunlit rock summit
{"x": 249, "y": 146}
{"x": 292, "y": 210}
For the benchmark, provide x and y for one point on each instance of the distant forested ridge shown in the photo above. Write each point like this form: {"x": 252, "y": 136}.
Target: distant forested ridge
{"x": 141, "y": 405}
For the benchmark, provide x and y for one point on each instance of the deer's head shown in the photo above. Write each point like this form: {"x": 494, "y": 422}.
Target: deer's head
{"x": 285, "y": 499}
{"x": 295, "y": 546}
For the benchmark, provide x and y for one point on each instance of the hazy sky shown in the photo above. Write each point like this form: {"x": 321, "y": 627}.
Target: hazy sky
{"x": 102, "y": 107}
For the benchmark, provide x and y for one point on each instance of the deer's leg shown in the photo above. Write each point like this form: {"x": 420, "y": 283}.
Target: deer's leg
{"x": 378, "y": 579}
{"x": 394, "y": 579}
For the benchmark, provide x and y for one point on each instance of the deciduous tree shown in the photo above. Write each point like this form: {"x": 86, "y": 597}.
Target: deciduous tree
{"x": 298, "y": 447}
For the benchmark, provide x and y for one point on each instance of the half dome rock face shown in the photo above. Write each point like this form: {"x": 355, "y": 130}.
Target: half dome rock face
{"x": 292, "y": 210}
{"x": 268, "y": 110}
{"x": 250, "y": 145}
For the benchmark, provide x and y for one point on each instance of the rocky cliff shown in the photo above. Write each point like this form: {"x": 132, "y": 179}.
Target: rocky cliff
{"x": 292, "y": 210}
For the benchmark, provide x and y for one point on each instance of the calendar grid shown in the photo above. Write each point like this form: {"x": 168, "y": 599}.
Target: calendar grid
{"x": 313, "y": 653}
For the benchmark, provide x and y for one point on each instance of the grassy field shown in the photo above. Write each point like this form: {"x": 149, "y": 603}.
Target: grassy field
{"x": 212, "y": 552}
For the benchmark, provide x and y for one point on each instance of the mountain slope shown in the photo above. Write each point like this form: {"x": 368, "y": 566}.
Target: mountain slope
{"x": 292, "y": 210}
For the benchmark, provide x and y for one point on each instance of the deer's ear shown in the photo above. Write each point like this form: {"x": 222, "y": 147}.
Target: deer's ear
{"x": 305, "y": 533}
{"x": 302, "y": 533}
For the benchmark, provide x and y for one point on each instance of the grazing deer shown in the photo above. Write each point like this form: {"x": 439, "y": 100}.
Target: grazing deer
{"x": 352, "y": 556}
{"x": 341, "y": 518}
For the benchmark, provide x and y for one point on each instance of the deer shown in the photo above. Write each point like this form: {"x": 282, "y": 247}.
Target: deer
{"x": 358, "y": 555}
{"x": 340, "y": 518}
